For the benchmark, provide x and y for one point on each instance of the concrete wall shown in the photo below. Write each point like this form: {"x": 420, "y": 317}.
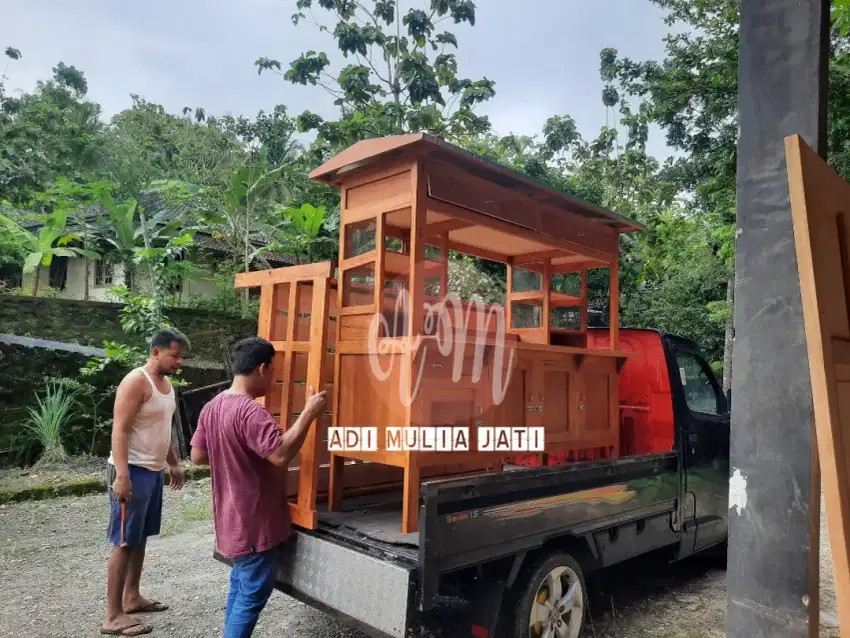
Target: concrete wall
{"x": 90, "y": 323}
{"x": 75, "y": 284}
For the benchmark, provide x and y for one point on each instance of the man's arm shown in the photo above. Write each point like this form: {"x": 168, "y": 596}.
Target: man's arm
{"x": 199, "y": 454}
{"x": 176, "y": 478}
{"x": 200, "y": 457}
{"x": 293, "y": 438}
{"x": 128, "y": 399}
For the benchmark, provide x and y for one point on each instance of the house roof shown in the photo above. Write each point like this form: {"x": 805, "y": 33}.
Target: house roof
{"x": 369, "y": 151}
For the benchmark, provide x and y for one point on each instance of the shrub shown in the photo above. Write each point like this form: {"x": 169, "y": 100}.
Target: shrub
{"x": 47, "y": 423}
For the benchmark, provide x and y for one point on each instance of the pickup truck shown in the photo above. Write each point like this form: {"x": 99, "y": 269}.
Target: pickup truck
{"x": 518, "y": 544}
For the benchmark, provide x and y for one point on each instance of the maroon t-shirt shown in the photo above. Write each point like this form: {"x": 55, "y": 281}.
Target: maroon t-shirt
{"x": 250, "y": 508}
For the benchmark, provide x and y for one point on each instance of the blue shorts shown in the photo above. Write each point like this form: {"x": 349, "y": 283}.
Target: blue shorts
{"x": 143, "y": 513}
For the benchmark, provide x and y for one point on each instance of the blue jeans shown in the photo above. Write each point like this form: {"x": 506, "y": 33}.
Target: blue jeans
{"x": 251, "y": 585}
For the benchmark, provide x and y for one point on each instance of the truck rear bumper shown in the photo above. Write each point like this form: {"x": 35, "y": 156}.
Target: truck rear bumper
{"x": 376, "y": 596}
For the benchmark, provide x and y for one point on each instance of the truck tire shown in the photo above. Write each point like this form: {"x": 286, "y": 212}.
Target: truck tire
{"x": 550, "y": 600}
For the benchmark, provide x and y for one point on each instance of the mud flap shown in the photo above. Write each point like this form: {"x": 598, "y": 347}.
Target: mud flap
{"x": 486, "y": 605}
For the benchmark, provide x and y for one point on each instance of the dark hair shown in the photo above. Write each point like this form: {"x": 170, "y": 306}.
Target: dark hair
{"x": 163, "y": 339}
{"x": 250, "y": 353}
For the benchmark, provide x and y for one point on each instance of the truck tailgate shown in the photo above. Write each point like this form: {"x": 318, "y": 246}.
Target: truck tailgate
{"x": 371, "y": 593}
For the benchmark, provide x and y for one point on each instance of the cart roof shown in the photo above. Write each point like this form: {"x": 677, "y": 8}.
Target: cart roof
{"x": 369, "y": 151}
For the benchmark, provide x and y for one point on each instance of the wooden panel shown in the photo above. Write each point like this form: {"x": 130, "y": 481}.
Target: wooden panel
{"x": 278, "y": 313}
{"x": 312, "y": 454}
{"x": 378, "y": 190}
{"x": 496, "y": 241}
{"x": 366, "y": 400}
{"x": 482, "y": 196}
{"x": 400, "y": 220}
{"x": 370, "y": 211}
{"x": 561, "y": 223}
{"x": 280, "y": 275}
{"x": 820, "y": 201}
{"x": 595, "y": 396}
{"x": 519, "y": 396}
{"x": 537, "y": 239}
{"x": 354, "y": 327}
{"x": 455, "y": 187}
{"x": 556, "y": 406}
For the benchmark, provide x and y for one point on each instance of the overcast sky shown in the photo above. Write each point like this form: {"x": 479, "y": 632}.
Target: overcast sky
{"x": 543, "y": 54}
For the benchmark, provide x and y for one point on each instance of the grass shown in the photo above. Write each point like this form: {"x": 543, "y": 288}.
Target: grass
{"x": 76, "y": 476}
{"x": 180, "y": 519}
{"x": 47, "y": 423}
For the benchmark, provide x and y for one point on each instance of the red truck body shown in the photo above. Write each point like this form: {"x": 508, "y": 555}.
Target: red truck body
{"x": 646, "y": 402}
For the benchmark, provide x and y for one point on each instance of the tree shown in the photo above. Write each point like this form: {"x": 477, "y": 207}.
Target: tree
{"x": 402, "y": 76}
{"x": 693, "y": 96}
{"x": 145, "y": 143}
{"x": 50, "y": 132}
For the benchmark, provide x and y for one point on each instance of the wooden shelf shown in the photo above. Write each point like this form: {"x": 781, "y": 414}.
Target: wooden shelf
{"x": 531, "y": 295}
{"x": 563, "y": 300}
{"x": 360, "y": 260}
{"x": 398, "y": 264}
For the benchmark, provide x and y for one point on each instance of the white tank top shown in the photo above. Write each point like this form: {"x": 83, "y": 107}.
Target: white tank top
{"x": 150, "y": 433}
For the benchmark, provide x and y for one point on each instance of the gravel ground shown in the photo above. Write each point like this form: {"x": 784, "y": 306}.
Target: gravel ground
{"x": 53, "y": 561}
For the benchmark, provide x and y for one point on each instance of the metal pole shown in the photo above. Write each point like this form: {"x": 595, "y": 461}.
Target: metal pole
{"x": 782, "y": 87}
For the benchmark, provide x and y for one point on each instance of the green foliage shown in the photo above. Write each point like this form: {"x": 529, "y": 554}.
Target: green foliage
{"x": 47, "y": 423}
{"x": 471, "y": 283}
{"x": 53, "y": 131}
{"x": 402, "y": 81}
{"x": 51, "y": 241}
{"x": 301, "y": 233}
{"x": 140, "y": 317}
{"x": 88, "y": 397}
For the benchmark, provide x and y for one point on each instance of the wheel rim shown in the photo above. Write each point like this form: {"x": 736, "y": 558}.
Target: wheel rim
{"x": 558, "y": 606}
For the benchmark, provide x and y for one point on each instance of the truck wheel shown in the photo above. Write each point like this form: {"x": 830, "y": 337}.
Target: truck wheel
{"x": 552, "y": 599}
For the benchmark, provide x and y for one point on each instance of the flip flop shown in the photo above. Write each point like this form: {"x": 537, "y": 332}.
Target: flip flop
{"x": 150, "y": 608}
{"x": 122, "y": 631}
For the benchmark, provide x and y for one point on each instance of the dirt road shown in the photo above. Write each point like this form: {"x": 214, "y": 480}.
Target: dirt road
{"x": 53, "y": 560}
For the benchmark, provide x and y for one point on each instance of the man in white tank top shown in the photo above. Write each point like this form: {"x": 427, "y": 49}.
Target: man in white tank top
{"x": 141, "y": 450}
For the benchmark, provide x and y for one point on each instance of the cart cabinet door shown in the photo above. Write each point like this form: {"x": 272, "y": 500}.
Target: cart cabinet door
{"x": 595, "y": 406}
{"x": 522, "y": 402}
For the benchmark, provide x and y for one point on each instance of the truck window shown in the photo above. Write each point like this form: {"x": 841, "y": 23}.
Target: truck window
{"x": 699, "y": 391}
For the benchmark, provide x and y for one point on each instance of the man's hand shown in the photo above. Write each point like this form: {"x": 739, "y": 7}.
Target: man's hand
{"x": 316, "y": 404}
{"x": 176, "y": 478}
{"x": 122, "y": 489}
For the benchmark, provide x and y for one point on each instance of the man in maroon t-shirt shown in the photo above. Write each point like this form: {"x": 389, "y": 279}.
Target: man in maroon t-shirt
{"x": 246, "y": 449}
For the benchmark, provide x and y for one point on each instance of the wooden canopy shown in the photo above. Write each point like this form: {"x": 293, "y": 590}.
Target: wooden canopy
{"x": 487, "y": 210}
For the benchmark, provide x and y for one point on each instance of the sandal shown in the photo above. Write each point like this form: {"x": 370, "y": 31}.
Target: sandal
{"x": 152, "y": 607}
{"x": 122, "y": 631}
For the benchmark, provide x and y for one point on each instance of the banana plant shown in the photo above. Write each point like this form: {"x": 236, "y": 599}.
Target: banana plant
{"x": 51, "y": 241}
{"x": 250, "y": 188}
{"x": 300, "y": 233}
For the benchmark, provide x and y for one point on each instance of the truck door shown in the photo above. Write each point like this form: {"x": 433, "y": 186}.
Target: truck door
{"x": 702, "y": 414}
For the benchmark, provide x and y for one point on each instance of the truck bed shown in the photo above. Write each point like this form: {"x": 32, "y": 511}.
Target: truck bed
{"x": 375, "y": 517}
{"x": 358, "y": 566}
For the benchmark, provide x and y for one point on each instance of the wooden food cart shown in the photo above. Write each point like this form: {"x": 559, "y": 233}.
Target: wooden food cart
{"x": 382, "y": 332}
